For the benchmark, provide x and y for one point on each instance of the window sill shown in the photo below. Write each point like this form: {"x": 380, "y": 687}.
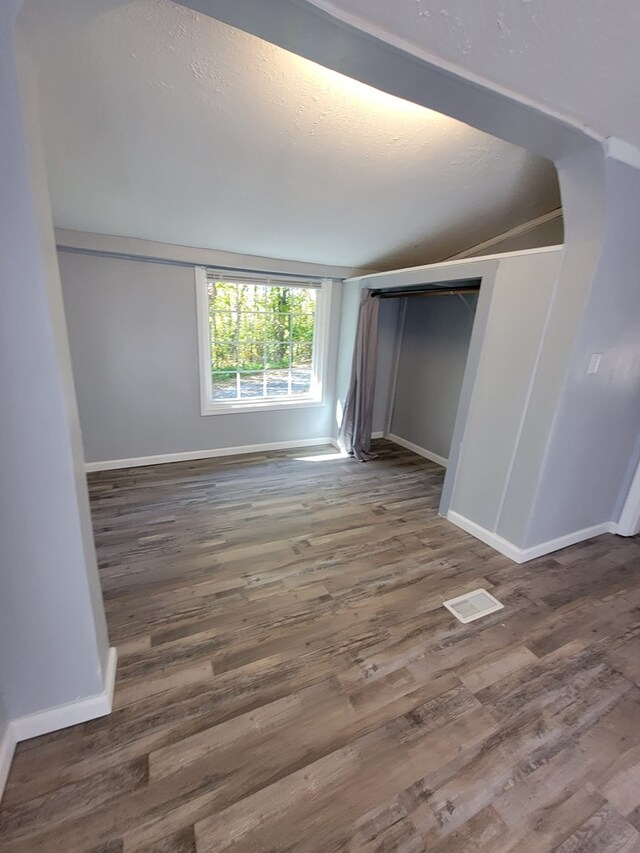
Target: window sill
{"x": 237, "y": 407}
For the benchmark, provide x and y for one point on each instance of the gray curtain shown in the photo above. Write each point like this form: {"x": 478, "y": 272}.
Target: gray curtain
{"x": 357, "y": 420}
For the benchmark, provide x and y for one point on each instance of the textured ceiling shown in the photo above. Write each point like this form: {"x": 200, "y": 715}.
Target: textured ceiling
{"x": 167, "y": 125}
{"x": 577, "y": 58}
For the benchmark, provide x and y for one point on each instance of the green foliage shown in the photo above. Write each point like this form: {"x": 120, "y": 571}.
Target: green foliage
{"x": 256, "y": 327}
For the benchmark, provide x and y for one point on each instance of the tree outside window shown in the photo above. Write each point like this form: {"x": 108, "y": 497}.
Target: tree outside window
{"x": 261, "y": 340}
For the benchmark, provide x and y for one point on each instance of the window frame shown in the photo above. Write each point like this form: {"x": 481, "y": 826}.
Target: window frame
{"x": 320, "y": 345}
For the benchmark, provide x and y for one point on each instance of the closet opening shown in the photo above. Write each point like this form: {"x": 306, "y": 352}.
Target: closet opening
{"x": 445, "y": 289}
{"x": 425, "y": 333}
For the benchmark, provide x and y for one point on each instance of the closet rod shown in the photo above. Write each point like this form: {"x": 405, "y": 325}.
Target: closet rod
{"x": 440, "y": 291}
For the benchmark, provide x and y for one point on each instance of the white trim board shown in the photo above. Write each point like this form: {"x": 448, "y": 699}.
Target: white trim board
{"x": 420, "y": 451}
{"x": 189, "y": 455}
{"x": 136, "y": 249}
{"x": 60, "y": 717}
{"x": 7, "y": 749}
{"x": 629, "y": 521}
{"x": 624, "y": 152}
{"x": 531, "y": 225}
{"x": 523, "y": 555}
{"x": 443, "y": 271}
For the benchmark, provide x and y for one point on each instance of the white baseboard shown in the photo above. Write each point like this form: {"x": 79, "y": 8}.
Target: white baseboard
{"x": 60, "y": 717}
{"x": 523, "y": 555}
{"x": 188, "y": 455}
{"x": 378, "y": 434}
{"x": 502, "y": 545}
{"x": 568, "y": 539}
{"x": 420, "y": 451}
{"x": 72, "y": 713}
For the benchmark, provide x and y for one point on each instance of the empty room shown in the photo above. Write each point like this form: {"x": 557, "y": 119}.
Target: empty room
{"x": 320, "y": 427}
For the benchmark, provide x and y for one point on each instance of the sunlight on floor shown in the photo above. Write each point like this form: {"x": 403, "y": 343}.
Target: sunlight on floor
{"x": 323, "y": 457}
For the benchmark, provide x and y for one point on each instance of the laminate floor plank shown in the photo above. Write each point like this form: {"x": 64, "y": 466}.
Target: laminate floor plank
{"x": 289, "y": 681}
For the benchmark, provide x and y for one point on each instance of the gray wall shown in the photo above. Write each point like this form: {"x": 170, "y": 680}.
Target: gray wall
{"x": 584, "y": 182}
{"x": 593, "y": 447}
{"x": 432, "y": 360}
{"x": 134, "y": 349}
{"x": 53, "y": 640}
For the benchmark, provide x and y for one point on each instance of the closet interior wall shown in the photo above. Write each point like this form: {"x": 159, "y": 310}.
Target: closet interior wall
{"x": 429, "y": 370}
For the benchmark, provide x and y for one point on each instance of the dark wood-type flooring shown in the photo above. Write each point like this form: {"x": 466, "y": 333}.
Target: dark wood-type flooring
{"x": 289, "y": 681}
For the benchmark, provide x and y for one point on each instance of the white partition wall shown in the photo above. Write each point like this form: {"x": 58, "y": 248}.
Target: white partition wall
{"x": 507, "y": 365}
{"x": 509, "y": 335}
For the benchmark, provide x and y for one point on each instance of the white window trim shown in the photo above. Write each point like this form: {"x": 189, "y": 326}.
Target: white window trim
{"x": 321, "y": 352}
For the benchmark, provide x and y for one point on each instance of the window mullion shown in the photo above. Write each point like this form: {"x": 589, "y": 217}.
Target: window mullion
{"x": 264, "y": 353}
{"x": 290, "y": 352}
{"x": 237, "y": 342}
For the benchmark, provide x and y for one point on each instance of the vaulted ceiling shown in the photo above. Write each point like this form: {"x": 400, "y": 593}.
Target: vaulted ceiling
{"x": 167, "y": 125}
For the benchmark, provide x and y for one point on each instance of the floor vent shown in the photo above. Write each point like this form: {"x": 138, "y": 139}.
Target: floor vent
{"x": 473, "y": 605}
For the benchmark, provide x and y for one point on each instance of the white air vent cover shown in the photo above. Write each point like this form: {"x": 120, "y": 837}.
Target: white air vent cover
{"x": 473, "y": 605}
